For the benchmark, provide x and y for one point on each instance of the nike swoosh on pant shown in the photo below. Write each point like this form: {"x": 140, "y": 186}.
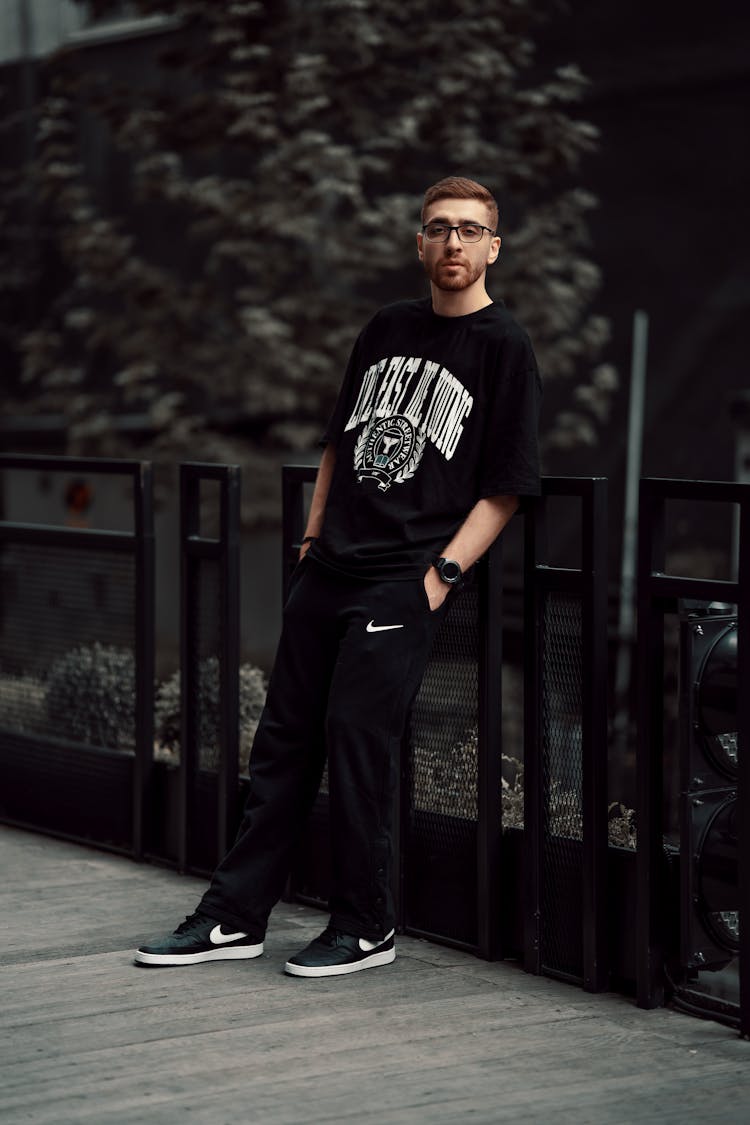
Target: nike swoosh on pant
{"x": 216, "y": 937}
{"x": 373, "y": 628}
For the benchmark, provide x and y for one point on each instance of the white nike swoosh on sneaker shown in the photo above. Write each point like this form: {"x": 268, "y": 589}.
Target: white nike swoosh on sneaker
{"x": 373, "y": 628}
{"x": 216, "y": 937}
{"x": 366, "y": 946}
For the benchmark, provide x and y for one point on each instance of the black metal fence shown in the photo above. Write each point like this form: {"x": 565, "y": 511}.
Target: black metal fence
{"x": 565, "y": 838}
{"x": 77, "y": 689}
{"x": 662, "y": 969}
{"x": 76, "y": 653}
{"x": 77, "y": 730}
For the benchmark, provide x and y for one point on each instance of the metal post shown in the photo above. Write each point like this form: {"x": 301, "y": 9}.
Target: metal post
{"x": 230, "y": 657}
{"x": 649, "y": 756}
{"x": 490, "y": 752}
{"x": 630, "y": 528}
{"x": 196, "y": 551}
{"x": 189, "y": 528}
{"x": 594, "y": 737}
{"x": 144, "y": 653}
{"x": 534, "y": 553}
{"x": 743, "y": 772}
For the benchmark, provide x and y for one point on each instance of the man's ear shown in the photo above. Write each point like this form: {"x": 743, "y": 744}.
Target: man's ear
{"x": 420, "y": 242}
{"x": 494, "y": 249}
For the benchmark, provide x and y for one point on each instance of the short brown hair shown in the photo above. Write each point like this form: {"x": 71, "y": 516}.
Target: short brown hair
{"x": 458, "y": 187}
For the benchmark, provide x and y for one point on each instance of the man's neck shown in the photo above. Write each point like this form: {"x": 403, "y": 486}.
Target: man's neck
{"x": 461, "y": 302}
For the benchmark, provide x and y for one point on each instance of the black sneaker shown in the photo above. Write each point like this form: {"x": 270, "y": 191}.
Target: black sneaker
{"x": 199, "y": 938}
{"x": 333, "y": 954}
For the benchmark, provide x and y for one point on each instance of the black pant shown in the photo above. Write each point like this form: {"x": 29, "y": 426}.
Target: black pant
{"x": 350, "y": 661}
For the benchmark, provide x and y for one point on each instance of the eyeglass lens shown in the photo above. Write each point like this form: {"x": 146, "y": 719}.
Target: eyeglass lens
{"x": 441, "y": 232}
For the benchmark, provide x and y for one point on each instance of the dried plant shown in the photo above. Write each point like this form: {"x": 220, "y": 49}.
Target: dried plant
{"x": 444, "y": 780}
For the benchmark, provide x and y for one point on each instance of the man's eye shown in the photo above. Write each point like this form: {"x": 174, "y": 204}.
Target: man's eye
{"x": 436, "y": 228}
{"x": 471, "y": 229}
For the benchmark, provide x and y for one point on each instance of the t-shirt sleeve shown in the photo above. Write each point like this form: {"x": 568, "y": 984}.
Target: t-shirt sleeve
{"x": 510, "y": 456}
{"x": 334, "y": 430}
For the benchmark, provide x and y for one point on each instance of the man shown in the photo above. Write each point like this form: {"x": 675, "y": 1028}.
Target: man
{"x": 430, "y": 445}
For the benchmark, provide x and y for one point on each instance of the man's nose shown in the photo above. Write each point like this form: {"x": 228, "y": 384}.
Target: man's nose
{"x": 451, "y": 235}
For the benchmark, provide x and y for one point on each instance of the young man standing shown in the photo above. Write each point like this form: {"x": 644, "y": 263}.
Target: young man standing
{"x": 431, "y": 443}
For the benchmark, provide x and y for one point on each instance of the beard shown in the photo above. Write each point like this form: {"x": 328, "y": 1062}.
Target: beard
{"x": 452, "y": 281}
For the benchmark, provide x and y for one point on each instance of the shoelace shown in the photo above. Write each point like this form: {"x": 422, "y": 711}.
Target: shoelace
{"x": 192, "y": 920}
{"x": 331, "y": 936}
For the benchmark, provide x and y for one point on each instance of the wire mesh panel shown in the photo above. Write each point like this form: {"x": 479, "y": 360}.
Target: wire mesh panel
{"x": 75, "y": 650}
{"x": 205, "y": 657}
{"x": 67, "y": 644}
{"x": 565, "y": 735}
{"x": 440, "y": 846}
{"x": 562, "y": 785}
{"x": 54, "y": 597}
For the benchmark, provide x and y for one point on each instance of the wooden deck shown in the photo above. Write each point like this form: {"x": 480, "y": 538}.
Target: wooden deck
{"x": 437, "y": 1037}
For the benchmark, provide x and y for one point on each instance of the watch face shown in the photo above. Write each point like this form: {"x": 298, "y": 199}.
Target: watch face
{"x": 450, "y": 571}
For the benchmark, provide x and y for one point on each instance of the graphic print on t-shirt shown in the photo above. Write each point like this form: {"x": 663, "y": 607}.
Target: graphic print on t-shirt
{"x": 389, "y": 451}
{"x": 404, "y": 401}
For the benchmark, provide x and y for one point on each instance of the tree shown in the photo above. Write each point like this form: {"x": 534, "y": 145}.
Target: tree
{"x": 268, "y": 202}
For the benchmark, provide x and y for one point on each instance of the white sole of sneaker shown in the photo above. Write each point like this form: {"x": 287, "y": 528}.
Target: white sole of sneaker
{"x": 386, "y": 957}
{"x": 239, "y": 953}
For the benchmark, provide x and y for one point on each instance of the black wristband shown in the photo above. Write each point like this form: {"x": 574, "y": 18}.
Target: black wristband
{"x": 308, "y": 539}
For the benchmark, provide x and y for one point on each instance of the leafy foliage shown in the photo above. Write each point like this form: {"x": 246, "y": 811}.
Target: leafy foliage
{"x": 91, "y": 696}
{"x": 23, "y": 704}
{"x": 167, "y": 712}
{"x": 272, "y": 161}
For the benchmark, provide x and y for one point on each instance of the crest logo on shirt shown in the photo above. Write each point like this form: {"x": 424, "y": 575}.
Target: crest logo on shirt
{"x": 402, "y": 403}
{"x": 389, "y": 451}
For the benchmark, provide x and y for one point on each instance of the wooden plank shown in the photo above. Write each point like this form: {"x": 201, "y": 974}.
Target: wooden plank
{"x": 440, "y": 1036}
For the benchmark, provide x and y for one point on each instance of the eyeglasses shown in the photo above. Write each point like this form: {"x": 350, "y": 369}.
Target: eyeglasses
{"x": 467, "y": 232}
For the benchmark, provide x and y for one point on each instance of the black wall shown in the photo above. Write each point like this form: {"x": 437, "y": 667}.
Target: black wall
{"x": 670, "y": 92}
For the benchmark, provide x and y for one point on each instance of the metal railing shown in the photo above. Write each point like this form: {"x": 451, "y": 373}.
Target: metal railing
{"x": 76, "y": 626}
{"x": 565, "y": 813}
{"x": 658, "y": 595}
{"x": 209, "y": 662}
{"x": 77, "y": 599}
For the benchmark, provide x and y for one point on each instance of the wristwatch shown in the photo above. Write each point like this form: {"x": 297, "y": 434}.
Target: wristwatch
{"x": 449, "y": 570}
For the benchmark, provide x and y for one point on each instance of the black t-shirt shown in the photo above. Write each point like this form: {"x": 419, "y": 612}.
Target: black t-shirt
{"x": 434, "y": 413}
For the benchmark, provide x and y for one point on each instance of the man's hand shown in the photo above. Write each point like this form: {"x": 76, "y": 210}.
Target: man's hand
{"x": 319, "y": 498}
{"x": 435, "y": 588}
